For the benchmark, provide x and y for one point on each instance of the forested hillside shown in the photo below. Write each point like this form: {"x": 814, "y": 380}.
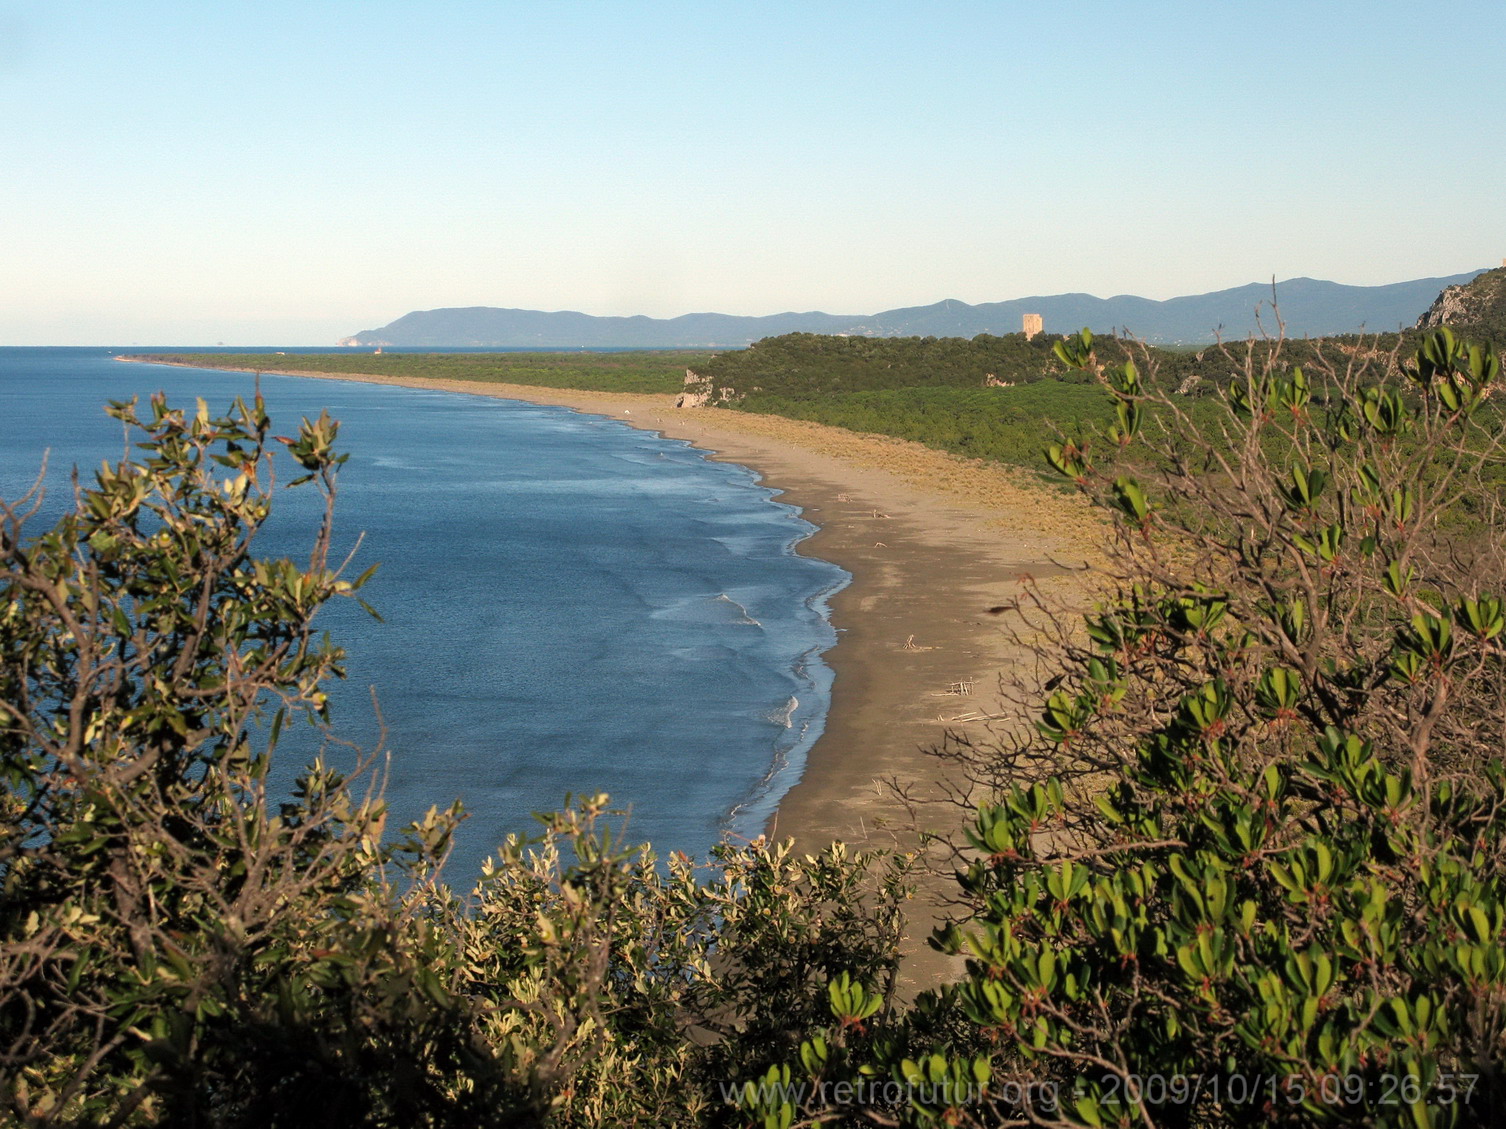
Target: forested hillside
{"x": 634, "y": 371}
{"x": 809, "y": 364}
{"x": 988, "y": 397}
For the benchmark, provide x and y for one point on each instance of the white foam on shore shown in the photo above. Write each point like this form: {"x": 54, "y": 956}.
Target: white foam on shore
{"x": 742, "y": 611}
{"x": 784, "y": 715}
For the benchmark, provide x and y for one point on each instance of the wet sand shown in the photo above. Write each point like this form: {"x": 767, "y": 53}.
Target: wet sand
{"x": 931, "y": 541}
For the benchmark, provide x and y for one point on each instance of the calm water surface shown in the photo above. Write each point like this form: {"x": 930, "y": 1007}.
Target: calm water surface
{"x": 569, "y": 604}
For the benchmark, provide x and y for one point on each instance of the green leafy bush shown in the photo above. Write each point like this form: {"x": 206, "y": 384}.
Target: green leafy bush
{"x": 1245, "y": 868}
{"x": 1252, "y": 865}
{"x": 171, "y": 932}
{"x": 181, "y": 942}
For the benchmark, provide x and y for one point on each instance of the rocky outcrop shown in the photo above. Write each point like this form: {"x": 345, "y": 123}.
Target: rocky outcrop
{"x": 700, "y": 393}
{"x": 692, "y": 399}
{"x": 1450, "y": 308}
{"x": 1477, "y": 308}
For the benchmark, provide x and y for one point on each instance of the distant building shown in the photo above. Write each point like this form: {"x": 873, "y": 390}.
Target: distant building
{"x": 1032, "y": 325}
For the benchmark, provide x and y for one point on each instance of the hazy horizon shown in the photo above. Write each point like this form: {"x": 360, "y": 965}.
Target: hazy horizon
{"x": 334, "y": 343}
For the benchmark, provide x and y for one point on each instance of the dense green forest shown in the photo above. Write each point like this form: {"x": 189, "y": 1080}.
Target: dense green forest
{"x": 988, "y": 397}
{"x": 632, "y": 371}
{"x": 991, "y": 397}
{"x": 800, "y": 365}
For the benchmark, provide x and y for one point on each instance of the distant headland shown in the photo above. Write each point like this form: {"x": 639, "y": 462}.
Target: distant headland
{"x": 1309, "y": 308}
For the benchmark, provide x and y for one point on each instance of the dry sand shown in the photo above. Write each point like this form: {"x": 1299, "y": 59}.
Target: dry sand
{"x": 931, "y": 541}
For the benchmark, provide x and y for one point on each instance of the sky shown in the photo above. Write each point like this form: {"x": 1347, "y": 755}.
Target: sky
{"x": 295, "y": 171}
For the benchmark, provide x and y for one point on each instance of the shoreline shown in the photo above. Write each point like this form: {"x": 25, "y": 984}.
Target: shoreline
{"x": 931, "y": 540}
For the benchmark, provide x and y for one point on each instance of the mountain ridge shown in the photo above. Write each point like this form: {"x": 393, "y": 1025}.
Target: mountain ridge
{"x": 1309, "y": 307}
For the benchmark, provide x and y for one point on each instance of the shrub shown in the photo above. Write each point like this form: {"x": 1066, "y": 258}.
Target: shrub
{"x": 172, "y": 933}
{"x": 1249, "y": 866}
{"x": 184, "y": 942}
{"x": 1260, "y": 873}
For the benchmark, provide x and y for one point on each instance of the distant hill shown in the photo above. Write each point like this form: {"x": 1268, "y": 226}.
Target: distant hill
{"x": 486, "y": 327}
{"x": 1310, "y": 308}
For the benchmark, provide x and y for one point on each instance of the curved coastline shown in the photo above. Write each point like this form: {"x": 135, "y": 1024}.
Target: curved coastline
{"x": 930, "y": 541}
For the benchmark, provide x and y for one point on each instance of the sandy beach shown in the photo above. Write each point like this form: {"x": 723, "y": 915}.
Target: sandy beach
{"x": 932, "y": 541}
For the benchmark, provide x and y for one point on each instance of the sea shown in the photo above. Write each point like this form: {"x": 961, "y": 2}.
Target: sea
{"x": 569, "y": 605}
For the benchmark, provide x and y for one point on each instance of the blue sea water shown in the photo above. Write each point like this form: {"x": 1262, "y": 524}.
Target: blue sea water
{"x": 568, "y": 604}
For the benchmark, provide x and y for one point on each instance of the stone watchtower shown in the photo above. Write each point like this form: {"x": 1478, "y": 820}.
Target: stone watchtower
{"x": 1032, "y": 325}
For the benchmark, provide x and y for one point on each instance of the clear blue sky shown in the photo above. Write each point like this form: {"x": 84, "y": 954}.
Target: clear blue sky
{"x": 292, "y": 171}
